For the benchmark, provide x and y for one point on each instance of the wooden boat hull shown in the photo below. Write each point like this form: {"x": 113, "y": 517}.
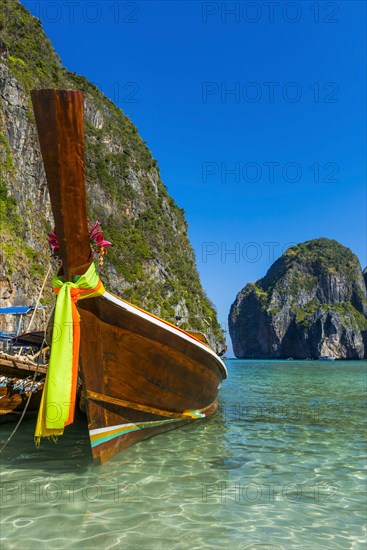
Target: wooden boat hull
{"x": 12, "y": 401}
{"x": 142, "y": 375}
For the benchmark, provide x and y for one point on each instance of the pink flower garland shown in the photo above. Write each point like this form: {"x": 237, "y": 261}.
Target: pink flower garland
{"x": 97, "y": 243}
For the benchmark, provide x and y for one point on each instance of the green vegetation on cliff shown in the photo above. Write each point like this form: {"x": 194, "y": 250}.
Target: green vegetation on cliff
{"x": 151, "y": 262}
{"x": 325, "y": 256}
{"x": 14, "y": 251}
{"x": 304, "y": 265}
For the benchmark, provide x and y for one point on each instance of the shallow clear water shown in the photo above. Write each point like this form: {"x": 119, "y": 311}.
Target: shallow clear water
{"x": 280, "y": 466}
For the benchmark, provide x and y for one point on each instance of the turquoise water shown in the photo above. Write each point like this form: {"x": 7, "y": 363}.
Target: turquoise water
{"x": 280, "y": 466}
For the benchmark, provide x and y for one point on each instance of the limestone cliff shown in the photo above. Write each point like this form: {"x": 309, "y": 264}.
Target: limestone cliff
{"x": 151, "y": 263}
{"x": 311, "y": 302}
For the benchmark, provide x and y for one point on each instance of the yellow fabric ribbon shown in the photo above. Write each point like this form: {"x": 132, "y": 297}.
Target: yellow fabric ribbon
{"x": 58, "y": 398}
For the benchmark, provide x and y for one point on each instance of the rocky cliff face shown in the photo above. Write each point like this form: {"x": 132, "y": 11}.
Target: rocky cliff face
{"x": 311, "y": 302}
{"x": 151, "y": 263}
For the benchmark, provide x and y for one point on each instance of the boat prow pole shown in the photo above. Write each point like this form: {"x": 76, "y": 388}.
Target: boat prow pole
{"x": 60, "y": 124}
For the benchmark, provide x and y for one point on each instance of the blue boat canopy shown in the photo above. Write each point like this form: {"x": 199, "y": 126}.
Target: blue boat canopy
{"x": 18, "y": 310}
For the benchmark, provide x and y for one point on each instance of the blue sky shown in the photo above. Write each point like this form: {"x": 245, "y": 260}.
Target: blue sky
{"x": 255, "y": 112}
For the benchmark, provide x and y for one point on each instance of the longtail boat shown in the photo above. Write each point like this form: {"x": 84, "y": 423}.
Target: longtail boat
{"x": 141, "y": 375}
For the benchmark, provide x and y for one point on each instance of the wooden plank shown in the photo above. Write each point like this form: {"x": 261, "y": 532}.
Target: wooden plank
{"x": 15, "y": 367}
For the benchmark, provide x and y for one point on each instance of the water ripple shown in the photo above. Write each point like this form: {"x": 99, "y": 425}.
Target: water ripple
{"x": 279, "y": 467}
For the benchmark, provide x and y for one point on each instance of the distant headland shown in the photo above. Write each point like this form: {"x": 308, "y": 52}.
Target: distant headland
{"x": 310, "y": 304}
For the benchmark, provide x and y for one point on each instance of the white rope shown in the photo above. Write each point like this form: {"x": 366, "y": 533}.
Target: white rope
{"x": 37, "y": 303}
